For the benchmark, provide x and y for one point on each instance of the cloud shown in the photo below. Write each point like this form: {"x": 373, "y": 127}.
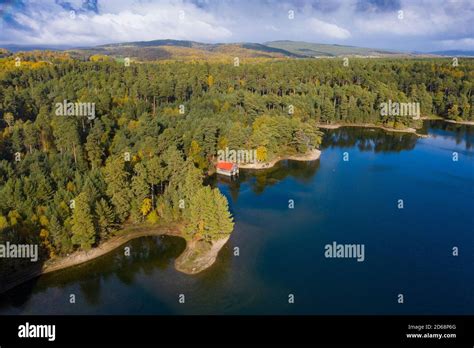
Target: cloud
{"x": 410, "y": 20}
{"x": 426, "y": 24}
{"x": 52, "y": 23}
{"x": 327, "y": 29}
{"x": 378, "y": 5}
{"x": 464, "y": 44}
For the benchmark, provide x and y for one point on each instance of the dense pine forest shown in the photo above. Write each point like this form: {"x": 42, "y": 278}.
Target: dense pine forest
{"x": 69, "y": 182}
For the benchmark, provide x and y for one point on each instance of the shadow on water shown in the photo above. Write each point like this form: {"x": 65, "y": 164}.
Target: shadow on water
{"x": 149, "y": 254}
{"x": 217, "y": 273}
{"x": 12, "y": 269}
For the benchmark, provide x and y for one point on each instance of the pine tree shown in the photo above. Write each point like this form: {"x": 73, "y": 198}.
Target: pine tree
{"x": 94, "y": 146}
{"x": 225, "y": 223}
{"x": 57, "y": 234}
{"x": 209, "y": 218}
{"x": 105, "y": 218}
{"x": 453, "y": 112}
{"x": 83, "y": 231}
{"x": 116, "y": 177}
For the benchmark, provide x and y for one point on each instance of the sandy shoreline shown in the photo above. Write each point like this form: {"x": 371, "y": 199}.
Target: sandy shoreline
{"x": 369, "y": 125}
{"x": 196, "y": 258}
{"x": 467, "y": 123}
{"x": 309, "y": 156}
{"x": 126, "y": 235}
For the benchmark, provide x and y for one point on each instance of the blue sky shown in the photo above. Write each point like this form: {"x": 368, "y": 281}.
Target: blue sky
{"x": 422, "y": 25}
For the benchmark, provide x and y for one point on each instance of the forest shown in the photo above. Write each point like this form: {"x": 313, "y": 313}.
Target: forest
{"x": 69, "y": 183}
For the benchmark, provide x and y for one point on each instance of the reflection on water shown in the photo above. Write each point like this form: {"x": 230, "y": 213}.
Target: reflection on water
{"x": 258, "y": 180}
{"x": 369, "y": 139}
{"x": 378, "y": 140}
{"x": 462, "y": 134}
{"x": 147, "y": 254}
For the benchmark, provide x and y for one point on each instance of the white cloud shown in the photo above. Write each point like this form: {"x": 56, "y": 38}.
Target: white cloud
{"x": 271, "y": 28}
{"x": 413, "y": 22}
{"x": 422, "y": 18}
{"x": 462, "y": 44}
{"x": 327, "y": 30}
{"x": 142, "y": 21}
{"x": 427, "y": 24}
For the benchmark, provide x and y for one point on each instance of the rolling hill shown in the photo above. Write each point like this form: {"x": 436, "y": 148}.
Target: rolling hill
{"x": 182, "y": 50}
{"x": 192, "y": 50}
{"x": 454, "y": 53}
{"x": 162, "y": 50}
{"x": 308, "y": 49}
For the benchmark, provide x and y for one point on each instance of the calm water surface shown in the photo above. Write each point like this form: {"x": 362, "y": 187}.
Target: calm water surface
{"x": 407, "y": 251}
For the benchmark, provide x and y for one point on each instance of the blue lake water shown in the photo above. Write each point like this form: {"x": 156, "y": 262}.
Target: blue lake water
{"x": 408, "y": 251}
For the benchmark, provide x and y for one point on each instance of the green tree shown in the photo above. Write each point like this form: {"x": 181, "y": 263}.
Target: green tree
{"x": 117, "y": 179}
{"x": 83, "y": 231}
{"x": 209, "y": 218}
{"x": 105, "y": 218}
{"x": 453, "y": 112}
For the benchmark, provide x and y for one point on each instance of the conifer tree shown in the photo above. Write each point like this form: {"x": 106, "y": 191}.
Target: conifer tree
{"x": 83, "y": 231}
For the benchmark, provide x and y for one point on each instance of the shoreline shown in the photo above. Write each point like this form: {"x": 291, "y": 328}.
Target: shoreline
{"x": 124, "y": 236}
{"x": 370, "y": 125}
{"x": 207, "y": 256}
{"x": 312, "y": 155}
{"x": 404, "y": 130}
{"x": 437, "y": 118}
{"x": 199, "y": 256}
{"x": 203, "y": 257}
{"x": 467, "y": 123}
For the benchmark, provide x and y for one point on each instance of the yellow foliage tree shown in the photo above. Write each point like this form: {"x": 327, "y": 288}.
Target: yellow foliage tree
{"x": 34, "y": 218}
{"x": 133, "y": 124}
{"x": 43, "y": 220}
{"x": 3, "y": 222}
{"x": 44, "y": 234}
{"x": 153, "y": 217}
{"x": 146, "y": 206}
{"x": 194, "y": 149}
{"x": 14, "y": 217}
{"x": 223, "y": 142}
{"x": 99, "y": 58}
{"x": 262, "y": 154}
{"x": 210, "y": 80}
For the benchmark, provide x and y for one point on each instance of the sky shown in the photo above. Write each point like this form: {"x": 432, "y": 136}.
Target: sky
{"x": 406, "y": 25}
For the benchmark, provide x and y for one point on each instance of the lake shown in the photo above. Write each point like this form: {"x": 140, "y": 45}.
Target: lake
{"x": 281, "y": 251}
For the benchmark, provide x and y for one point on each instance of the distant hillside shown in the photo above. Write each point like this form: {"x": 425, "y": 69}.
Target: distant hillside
{"x": 182, "y": 50}
{"x": 308, "y": 49}
{"x": 192, "y": 50}
{"x": 22, "y": 48}
{"x": 454, "y": 53}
